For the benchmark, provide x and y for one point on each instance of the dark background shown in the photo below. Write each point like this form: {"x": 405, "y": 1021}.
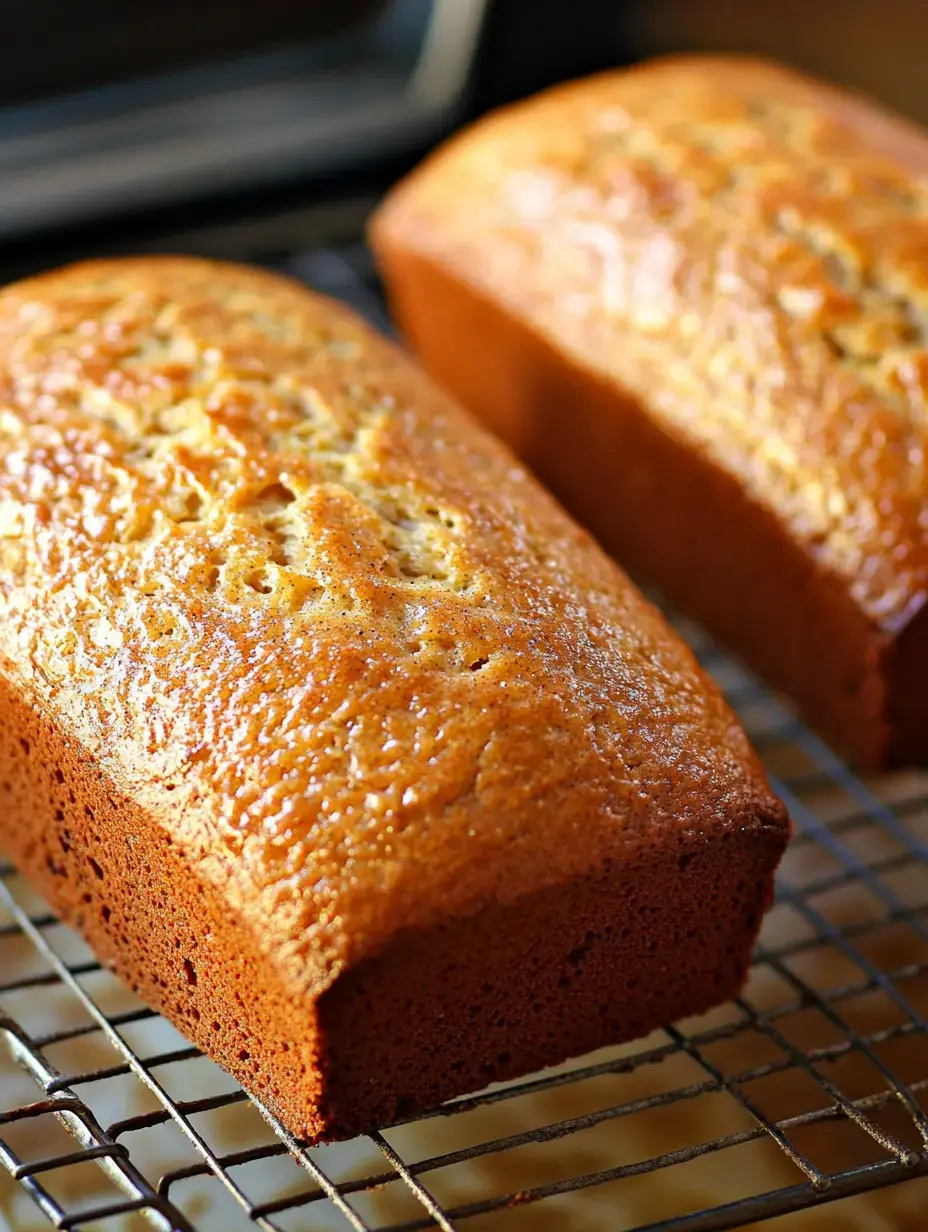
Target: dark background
{"x": 113, "y": 55}
{"x": 55, "y": 46}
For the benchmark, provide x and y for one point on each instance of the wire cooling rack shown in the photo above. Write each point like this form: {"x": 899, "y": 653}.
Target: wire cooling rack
{"x": 809, "y": 1088}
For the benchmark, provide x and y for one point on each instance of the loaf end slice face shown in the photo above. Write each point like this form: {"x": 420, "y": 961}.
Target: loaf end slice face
{"x": 692, "y": 295}
{"x": 324, "y": 724}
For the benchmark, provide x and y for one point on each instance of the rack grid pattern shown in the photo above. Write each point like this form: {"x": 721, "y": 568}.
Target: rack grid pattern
{"x": 812, "y": 1086}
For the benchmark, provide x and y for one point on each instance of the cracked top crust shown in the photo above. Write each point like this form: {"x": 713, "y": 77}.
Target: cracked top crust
{"x": 328, "y": 633}
{"x": 745, "y": 251}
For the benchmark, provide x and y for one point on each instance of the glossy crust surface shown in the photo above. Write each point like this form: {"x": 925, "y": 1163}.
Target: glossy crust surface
{"x": 700, "y": 288}
{"x": 311, "y": 692}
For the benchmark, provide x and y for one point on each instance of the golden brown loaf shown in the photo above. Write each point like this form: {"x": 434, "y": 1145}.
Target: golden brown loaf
{"x": 694, "y": 296}
{"x": 321, "y": 720}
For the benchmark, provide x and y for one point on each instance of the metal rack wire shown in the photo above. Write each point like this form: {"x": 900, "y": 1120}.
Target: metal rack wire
{"x": 811, "y": 1087}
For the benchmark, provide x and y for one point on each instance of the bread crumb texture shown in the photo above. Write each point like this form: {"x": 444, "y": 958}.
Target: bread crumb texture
{"x": 353, "y": 661}
{"x": 743, "y": 250}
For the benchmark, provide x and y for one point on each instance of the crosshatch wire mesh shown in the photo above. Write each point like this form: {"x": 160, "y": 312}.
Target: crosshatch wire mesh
{"x": 810, "y": 1088}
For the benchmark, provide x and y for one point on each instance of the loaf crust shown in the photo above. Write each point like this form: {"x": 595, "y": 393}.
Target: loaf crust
{"x": 693, "y": 296}
{"x": 325, "y": 725}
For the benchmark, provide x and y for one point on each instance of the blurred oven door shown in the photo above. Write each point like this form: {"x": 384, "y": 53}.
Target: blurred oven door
{"x": 306, "y": 100}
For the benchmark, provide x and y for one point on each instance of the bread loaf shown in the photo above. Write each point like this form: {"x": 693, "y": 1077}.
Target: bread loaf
{"x": 693, "y": 295}
{"x": 324, "y": 724}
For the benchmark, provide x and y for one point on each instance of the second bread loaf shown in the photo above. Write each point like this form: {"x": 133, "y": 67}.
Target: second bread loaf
{"x": 693, "y": 295}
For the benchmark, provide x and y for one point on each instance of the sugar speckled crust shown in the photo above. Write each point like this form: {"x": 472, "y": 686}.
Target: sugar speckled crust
{"x": 699, "y": 286}
{"x": 310, "y": 692}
